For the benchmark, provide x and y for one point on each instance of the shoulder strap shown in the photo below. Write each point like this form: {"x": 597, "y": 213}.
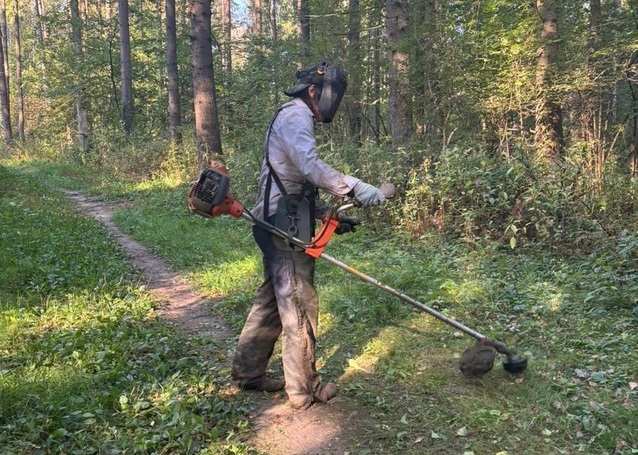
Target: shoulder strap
{"x": 308, "y": 188}
{"x": 272, "y": 171}
{"x": 271, "y": 174}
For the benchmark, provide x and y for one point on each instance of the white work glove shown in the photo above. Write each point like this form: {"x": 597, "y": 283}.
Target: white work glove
{"x": 368, "y": 195}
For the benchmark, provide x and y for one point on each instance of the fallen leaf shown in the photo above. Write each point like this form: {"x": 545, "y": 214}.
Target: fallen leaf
{"x": 435, "y": 435}
{"x": 598, "y": 376}
{"x": 581, "y": 373}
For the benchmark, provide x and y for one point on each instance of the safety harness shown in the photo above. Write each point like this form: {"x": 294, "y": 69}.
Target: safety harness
{"x": 295, "y": 212}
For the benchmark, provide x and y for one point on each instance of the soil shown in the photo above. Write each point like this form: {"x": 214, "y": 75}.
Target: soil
{"x": 334, "y": 428}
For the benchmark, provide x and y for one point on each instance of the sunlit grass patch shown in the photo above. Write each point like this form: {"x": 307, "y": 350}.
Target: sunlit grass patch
{"x": 230, "y": 277}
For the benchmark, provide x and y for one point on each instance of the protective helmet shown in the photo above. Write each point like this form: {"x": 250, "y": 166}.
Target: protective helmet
{"x": 332, "y": 82}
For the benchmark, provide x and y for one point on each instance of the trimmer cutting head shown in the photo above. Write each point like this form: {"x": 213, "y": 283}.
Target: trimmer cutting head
{"x": 478, "y": 360}
{"x": 515, "y": 364}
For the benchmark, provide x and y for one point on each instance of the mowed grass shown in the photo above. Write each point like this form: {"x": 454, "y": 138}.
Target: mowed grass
{"x": 84, "y": 363}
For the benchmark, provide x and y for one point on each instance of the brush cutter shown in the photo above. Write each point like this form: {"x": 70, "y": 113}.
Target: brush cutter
{"x": 210, "y": 196}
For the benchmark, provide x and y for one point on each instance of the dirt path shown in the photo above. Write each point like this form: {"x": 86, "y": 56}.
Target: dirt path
{"x": 321, "y": 430}
{"x": 182, "y": 308}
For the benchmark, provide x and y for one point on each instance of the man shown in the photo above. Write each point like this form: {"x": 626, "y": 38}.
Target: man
{"x": 286, "y": 302}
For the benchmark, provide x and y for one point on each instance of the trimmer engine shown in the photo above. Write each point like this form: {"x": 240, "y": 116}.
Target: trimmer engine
{"x": 209, "y": 196}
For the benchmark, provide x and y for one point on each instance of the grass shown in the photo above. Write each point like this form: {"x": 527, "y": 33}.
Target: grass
{"x": 85, "y": 364}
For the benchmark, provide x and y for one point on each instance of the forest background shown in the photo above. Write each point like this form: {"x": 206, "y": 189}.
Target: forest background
{"x": 510, "y": 128}
{"x": 497, "y": 119}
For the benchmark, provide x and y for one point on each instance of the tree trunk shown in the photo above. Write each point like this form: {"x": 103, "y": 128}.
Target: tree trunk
{"x": 374, "y": 90}
{"x": 174, "y": 109}
{"x": 632, "y": 77}
{"x": 18, "y": 57}
{"x": 125, "y": 66}
{"x": 272, "y": 18}
{"x": 399, "y": 83}
{"x": 549, "y": 118}
{"x": 207, "y": 132}
{"x": 4, "y": 29}
{"x": 80, "y": 108}
{"x": 5, "y": 112}
{"x": 593, "y": 111}
{"x": 303, "y": 28}
{"x": 39, "y": 28}
{"x": 256, "y": 17}
{"x": 227, "y": 23}
{"x": 431, "y": 126}
{"x": 356, "y": 71}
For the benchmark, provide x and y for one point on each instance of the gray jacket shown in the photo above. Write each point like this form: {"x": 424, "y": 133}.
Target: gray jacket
{"x": 292, "y": 152}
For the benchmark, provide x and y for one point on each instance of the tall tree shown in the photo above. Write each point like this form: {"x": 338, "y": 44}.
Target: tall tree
{"x": 4, "y": 29}
{"x": 125, "y": 66}
{"x": 374, "y": 89}
{"x": 5, "y": 112}
{"x": 39, "y": 27}
{"x": 303, "y": 28}
{"x": 80, "y": 101}
{"x": 174, "y": 108}
{"x": 207, "y": 131}
{"x": 428, "y": 86}
{"x": 632, "y": 79}
{"x": 356, "y": 70}
{"x": 257, "y": 17}
{"x": 18, "y": 65}
{"x": 593, "y": 112}
{"x": 272, "y": 19}
{"x": 399, "y": 82}
{"x": 227, "y": 24}
{"x": 548, "y": 136}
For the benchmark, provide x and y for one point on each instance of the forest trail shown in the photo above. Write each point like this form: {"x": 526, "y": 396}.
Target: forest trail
{"x": 182, "y": 308}
{"x": 334, "y": 428}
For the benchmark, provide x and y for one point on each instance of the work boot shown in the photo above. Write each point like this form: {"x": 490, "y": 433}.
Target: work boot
{"x": 326, "y": 392}
{"x": 263, "y": 384}
{"x": 300, "y": 402}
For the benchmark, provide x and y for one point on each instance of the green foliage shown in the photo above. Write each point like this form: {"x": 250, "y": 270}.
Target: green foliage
{"x": 477, "y": 195}
{"x": 75, "y": 319}
{"x": 82, "y": 365}
{"x": 85, "y": 366}
{"x": 40, "y": 259}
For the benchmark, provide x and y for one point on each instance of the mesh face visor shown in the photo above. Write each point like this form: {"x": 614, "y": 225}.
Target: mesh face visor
{"x": 334, "y": 87}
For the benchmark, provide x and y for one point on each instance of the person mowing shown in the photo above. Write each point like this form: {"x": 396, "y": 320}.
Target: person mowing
{"x": 286, "y": 304}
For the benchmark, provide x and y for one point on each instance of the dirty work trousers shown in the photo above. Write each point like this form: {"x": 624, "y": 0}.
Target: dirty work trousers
{"x": 286, "y": 304}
